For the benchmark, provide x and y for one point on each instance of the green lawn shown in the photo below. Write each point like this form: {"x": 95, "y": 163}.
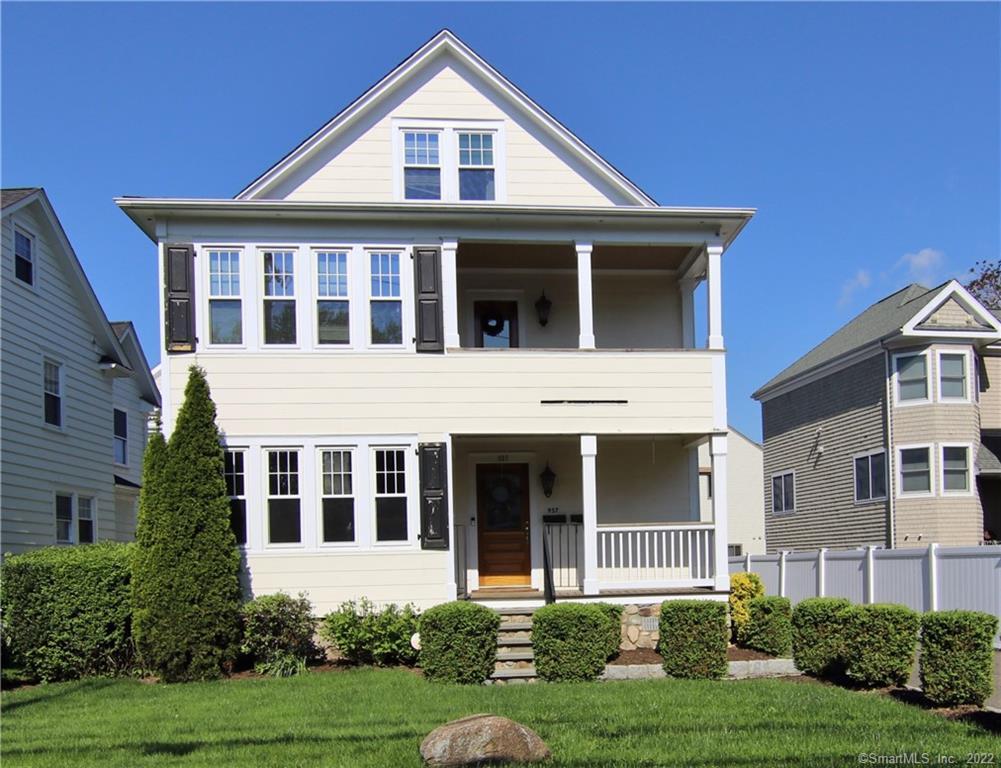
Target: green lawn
{"x": 371, "y": 717}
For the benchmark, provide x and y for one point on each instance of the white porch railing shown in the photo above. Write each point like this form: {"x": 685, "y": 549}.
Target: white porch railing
{"x": 652, "y": 556}
{"x": 566, "y": 547}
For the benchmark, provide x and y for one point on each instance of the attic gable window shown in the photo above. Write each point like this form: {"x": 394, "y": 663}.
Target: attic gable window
{"x": 476, "y": 166}
{"x": 421, "y": 166}
{"x": 24, "y": 259}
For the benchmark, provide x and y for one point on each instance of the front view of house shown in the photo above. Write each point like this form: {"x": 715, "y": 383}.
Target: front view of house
{"x": 453, "y": 352}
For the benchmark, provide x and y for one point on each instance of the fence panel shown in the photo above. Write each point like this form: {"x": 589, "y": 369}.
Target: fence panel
{"x": 968, "y": 581}
{"x": 902, "y": 577}
{"x": 801, "y": 576}
{"x": 844, "y": 575}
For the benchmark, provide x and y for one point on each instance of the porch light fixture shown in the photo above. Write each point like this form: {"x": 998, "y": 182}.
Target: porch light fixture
{"x": 543, "y": 306}
{"x": 548, "y": 478}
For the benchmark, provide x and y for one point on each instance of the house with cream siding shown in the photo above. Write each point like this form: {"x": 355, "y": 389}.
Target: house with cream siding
{"x": 75, "y": 392}
{"x": 746, "y": 513}
{"x": 887, "y": 433}
{"x": 453, "y": 354}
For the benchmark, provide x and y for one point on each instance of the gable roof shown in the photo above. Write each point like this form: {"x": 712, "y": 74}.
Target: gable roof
{"x": 12, "y": 195}
{"x": 127, "y": 335}
{"x": 444, "y": 42}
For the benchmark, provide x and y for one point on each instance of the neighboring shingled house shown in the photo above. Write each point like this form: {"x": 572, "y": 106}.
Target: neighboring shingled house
{"x": 888, "y": 431}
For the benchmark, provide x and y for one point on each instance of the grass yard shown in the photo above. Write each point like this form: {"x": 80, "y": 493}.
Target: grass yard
{"x": 373, "y": 717}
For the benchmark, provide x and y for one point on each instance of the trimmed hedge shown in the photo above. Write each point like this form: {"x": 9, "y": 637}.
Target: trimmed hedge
{"x": 459, "y": 642}
{"x": 879, "y": 646}
{"x": 614, "y": 615}
{"x": 744, "y": 587}
{"x": 769, "y": 628}
{"x": 957, "y": 657}
{"x": 365, "y": 635}
{"x": 818, "y": 635}
{"x": 570, "y": 641}
{"x": 693, "y": 638}
{"x": 66, "y": 610}
{"x": 278, "y": 633}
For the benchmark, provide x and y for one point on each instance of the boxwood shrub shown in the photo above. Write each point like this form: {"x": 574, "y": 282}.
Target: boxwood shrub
{"x": 879, "y": 646}
{"x": 818, "y": 635}
{"x": 693, "y": 638}
{"x": 614, "y": 615}
{"x": 957, "y": 657}
{"x": 744, "y": 587}
{"x": 66, "y": 610}
{"x": 769, "y": 626}
{"x": 570, "y": 641}
{"x": 364, "y": 634}
{"x": 459, "y": 642}
{"x": 278, "y": 633}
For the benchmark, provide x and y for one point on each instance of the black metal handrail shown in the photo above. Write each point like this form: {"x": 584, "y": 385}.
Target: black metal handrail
{"x": 549, "y": 589}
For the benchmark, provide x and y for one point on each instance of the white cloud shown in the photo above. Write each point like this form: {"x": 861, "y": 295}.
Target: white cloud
{"x": 925, "y": 266}
{"x": 859, "y": 282}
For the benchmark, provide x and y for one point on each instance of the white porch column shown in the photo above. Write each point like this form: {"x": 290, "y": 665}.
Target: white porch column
{"x": 714, "y": 303}
{"x": 687, "y": 287}
{"x": 588, "y": 457}
{"x": 449, "y": 293}
{"x": 584, "y": 295}
{"x": 719, "y": 481}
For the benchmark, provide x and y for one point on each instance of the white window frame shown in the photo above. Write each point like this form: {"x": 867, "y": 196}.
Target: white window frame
{"x": 459, "y": 167}
{"x": 352, "y": 450}
{"x": 795, "y": 493}
{"x": 967, "y": 370}
{"x": 899, "y": 464}
{"x": 886, "y": 476}
{"x": 61, "y": 426}
{"x": 244, "y": 496}
{"x": 116, "y": 438}
{"x": 409, "y": 478}
{"x": 350, "y": 264}
{"x": 33, "y": 242}
{"x": 74, "y": 497}
{"x": 929, "y": 385}
{"x": 206, "y": 252}
{"x": 406, "y": 333}
{"x": 297, "y": 277}
{"x": 427, "y": 130}
{"x": 970, "y": 477}
{"x": 266, "y": 496}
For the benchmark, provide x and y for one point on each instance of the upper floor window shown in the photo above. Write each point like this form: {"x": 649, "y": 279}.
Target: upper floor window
{"x": 24, "y": 257}
{"x": 337, "y": 495}
{"x": 421, "y": 165}
{"x": 783, "y": 492}
{"x": 279, "y": 297}
{"x": 225, "y": 304}
{"x": 870, "y": 476}
{"x": 284, "y": 501}
{"x": 332, "y": 315}
{"x": 476, "y": 166}
{"x": 53, "y": 393}
{"x": 385, "y": 303}
{"x": 952, "y": 377}
{"x": 912, "y": 377}
{"x": 121, "y": 425}
{"x": 233, "y": 473}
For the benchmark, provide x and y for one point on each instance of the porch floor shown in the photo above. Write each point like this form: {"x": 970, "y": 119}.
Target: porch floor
{"x": 494, "y": 594}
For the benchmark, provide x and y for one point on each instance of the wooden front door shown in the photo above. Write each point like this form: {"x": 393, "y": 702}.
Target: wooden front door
{"x": 503, "y": 525}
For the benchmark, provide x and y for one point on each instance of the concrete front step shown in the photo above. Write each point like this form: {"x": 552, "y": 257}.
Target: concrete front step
{"x": 515, "y": 654}
{"x": 518, "y": 673}
{"x": 514, "y": 640}
{"x": 515, "y": 611}
{"x": 515, "y": 626}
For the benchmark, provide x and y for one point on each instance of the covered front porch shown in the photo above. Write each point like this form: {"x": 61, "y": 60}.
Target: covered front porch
{"x": 585, "y": 516}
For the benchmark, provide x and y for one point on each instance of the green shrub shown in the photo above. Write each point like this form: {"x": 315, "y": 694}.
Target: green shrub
{"x": 277, "y": 628}
{"x": 880, "y": 641}
{"x": 283, "y": 665}
{"x": 769, "y": 628}
{"x": 614, "y": 615}
{"x": 693, "y": 638}
{"x": 66, "y": 610}
{"x": 459, "y": 642}
{"x": 818, "y": 635}
{"x": 570, "y": 641}
{"x": 957, "y": 657}
{"x": 365, "y": 635}
{"x": 186, "y": 590}
{"x": 744, "y": 587}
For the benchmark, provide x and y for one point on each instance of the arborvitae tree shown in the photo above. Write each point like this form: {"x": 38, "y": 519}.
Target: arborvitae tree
{"x": 144, "y": 590}
{"x": 187, "y": 574}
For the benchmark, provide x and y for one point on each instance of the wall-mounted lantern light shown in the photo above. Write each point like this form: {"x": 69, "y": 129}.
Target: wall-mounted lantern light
{"x": 548, "y": 478}
{"x": 543, "y": 306}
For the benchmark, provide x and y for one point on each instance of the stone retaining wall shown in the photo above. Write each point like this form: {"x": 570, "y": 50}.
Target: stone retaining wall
{"x": 737, "y": 670}
{"x": 640, "y": 627}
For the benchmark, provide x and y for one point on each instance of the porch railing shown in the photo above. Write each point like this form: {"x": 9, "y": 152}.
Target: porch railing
{"x": 566, "y": 549}
{"x": 651, "y": 556}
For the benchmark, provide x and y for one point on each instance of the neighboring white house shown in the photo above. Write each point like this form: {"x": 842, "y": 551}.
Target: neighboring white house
{"x": 76, "y": 391}
{"x": 443, "y": 332}
{"x": 746, "y": 513}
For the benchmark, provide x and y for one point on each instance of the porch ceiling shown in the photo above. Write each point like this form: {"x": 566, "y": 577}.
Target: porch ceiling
{"x": 555, "y": 256}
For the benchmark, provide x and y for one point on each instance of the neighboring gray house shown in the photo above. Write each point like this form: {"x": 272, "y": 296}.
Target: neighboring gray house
{"x": 888, "y": 431}
{"x": 76, "y": 392}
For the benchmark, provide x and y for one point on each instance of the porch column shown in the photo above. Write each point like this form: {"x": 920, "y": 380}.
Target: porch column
{"x": 588, "y": 457}
{"x": 687, "y": 286}
{"x": 718, "y": 451}
{"x": 714, "y": 303}
{"x": 449, "y": 293}
{"x": 584, "y": 294}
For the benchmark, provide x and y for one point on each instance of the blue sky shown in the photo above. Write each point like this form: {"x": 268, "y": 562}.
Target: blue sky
{"x": 867, "y": 135}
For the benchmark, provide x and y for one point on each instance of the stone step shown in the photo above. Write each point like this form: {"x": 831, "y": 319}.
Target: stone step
{"x": 515, "y": 654}
{"x": 514, "y": 674}
{"x": 515, "y": 626}
{"x": 525, "y": 640}
{"x": 515, "y": 611}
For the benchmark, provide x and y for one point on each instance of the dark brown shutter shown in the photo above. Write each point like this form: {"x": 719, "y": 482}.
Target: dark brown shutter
{"x": 434, "y": 495}
{"x": 427, "y": 273}
{"x": 179, "y": 298}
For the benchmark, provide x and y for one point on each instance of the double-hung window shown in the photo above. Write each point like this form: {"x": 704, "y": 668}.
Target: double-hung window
{"x": 121, "y": 427}
{"x": 64, "y": 518}
{"x": 955, "y": 469}
{"x": 74, "y": 519}
{"x": 476, "y": 166}
{"x": 915, "y": 471}
{"x": 912, "y": 377}
{"x": 783, "y": 493}
{"x": 390, "y": 494}
{"x": 337, "y": 495}
{"x": 225, "y": 304}
{"x": 284, "y": 501}
{"x": 953, "y": 377}
{"x": 233, "y": 473}
{"x": 332, "y": 315}
{"x": 421, "y": 165}
{"x": 85, "y": 519}
{"x": 870, "y": 476}
{"x": 385, "y": 301}
{"x": 24, "y": 257}
{"x": 52, "y": 388}
{"x": 279, "y": 297}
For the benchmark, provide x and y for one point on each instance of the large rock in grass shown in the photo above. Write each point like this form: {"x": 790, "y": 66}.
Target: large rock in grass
{"x": 480, "y": 739}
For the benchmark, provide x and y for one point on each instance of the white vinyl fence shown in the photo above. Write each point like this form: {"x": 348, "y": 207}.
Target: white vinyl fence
{"x": 927, "y": 579}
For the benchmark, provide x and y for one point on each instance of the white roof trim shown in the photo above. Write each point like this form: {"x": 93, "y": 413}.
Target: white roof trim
{"x": 445, "y": 40}
{"x": 953, "y": 289}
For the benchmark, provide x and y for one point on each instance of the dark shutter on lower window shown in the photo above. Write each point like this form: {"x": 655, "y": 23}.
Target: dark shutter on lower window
{"x": 427, "y": 274}
{"x": 179, "y": 298}
{"x": 434, "y": 495}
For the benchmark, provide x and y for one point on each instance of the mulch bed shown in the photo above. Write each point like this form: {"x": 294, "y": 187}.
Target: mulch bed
{"x": 639, "y": 656}
{"x": 736, "y": 653}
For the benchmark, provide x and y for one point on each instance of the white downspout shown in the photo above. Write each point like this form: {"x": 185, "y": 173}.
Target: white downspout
{"x": 890, "y": 476}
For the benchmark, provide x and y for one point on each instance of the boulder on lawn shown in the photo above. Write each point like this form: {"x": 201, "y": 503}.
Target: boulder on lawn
{"x": 480, "y": 739}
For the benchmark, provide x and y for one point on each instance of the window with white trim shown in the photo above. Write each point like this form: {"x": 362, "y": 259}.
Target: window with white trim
{"x": 421, "y": 165}
{"x": 955, "y": 469}
{"x": 476, "y": 166}
{"x": 783, "y": 493}
{"x": 74, "y": 519}
{"x": 236, "y": 489}
{"x": 225, "y": 303}
{"x": 912, "y": 377}
{"x": 64, "y": 518}
{"x": 385, "y": 298}
{"x": 390, "y": 494}
{"x": 24, "y": 257}
{"x": 121, "y": 427}
{"x": 284, "y": 499}
{"x": 337, "y": 501}
{"x": 332, "y": 308}
{"x": 915, "y": 470}
{"x": 52, "y": 388}
{"x": 735, "y": 550}
{"x": 952, "y": 376}
{"x": 870, "y": 476}
{"x": 279, "y": 297}
{"x": 85, "y": 519}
